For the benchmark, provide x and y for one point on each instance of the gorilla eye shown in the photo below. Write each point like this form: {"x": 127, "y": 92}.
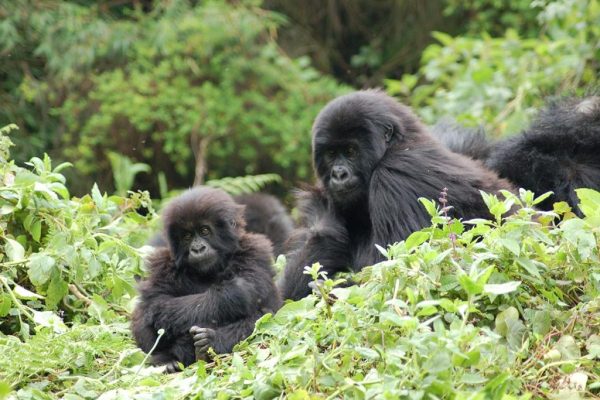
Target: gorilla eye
{"x": 351, "y": 151}
{"x": 330, "y": 153}
{"x": 187, "y": 236}
{"x": 204, "y": 231}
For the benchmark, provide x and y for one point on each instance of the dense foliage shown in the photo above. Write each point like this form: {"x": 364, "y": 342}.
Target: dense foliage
{"x": 178, "y": 86}
{"x": 506, "y": 309}
{"x": 500, "y": 81}
{"x": 75, "y": 255}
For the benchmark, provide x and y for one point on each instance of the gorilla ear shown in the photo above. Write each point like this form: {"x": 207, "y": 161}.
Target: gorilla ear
{"x": 389, "y": 132}
{"x": 238, "y": 221}
{"x": 392, "y": 129}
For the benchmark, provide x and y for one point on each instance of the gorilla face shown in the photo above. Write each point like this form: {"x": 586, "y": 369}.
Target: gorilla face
{"x": 202, "y": 227}
{"x": 340, "y": 168}
{"x": 350, "y": 137}
{"x": 194, "y": 248}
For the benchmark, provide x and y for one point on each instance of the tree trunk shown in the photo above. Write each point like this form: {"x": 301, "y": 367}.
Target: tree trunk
{"x": 199, "y": 146}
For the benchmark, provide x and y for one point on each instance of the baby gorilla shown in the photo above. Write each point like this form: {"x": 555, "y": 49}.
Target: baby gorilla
{"x": 209, "y": 286}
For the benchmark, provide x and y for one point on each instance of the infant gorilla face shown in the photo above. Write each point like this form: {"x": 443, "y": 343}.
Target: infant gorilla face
{"x": 197, "y": 249}
{"x": 203, "y": 229}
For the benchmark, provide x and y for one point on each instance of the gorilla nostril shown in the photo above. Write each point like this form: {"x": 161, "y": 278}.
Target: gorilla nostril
{"x": 198, "y": 249}
{"x": 339, "y": 174}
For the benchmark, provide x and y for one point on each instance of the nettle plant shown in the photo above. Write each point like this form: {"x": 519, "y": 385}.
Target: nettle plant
{"x": 64, "y": 257}
{"x": 505, "y": 308}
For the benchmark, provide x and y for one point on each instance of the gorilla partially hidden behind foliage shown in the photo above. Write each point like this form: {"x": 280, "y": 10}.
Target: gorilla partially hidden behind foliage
{"x": 559, "y": 152}
{"x": 373, "y": 160}
{"x": 209, "y": 286}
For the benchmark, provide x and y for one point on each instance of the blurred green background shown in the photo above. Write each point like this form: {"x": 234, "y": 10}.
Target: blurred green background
{"x": 158, "y": 94}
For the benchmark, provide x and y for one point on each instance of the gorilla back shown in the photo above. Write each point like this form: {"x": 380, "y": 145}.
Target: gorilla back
{"x": 559, "y": 152}
{"x": 373, "y": 159}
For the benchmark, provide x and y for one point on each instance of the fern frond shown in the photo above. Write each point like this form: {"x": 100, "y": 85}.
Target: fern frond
{"x": 244, "y": 184}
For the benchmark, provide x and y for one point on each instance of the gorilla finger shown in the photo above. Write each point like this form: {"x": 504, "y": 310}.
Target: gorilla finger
{"x": 201, "y": 342}
{"x": 196, "y": 329}
{"x": 202, "y": 349}
{"x": 172, "y": 367}
{"x": 201, "y": 335}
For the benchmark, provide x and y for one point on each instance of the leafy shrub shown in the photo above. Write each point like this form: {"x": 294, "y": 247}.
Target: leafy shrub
{"x": 75, "y": 255}
{"x": 496, "y": 16}
{"x": 181, "y": 83}
{"x": 500, "y": 81}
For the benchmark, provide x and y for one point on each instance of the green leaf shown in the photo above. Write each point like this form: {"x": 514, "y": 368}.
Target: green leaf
{"x": 589, "y": 201}
{"x": 14, "y": 250}
{"x": 22, "y": 293}
{"x": 50, "y": 320}
{"x": 97, "y": 196}
{"x": 415, "y": 239}
{"x": 544, "y": 196}
{"x": 36, "y": 230}
{"x": 512, "y": 245}
{"x": 503, "y": 288}
{"x": 5, "y": 390}
{"x": 57, "y": 289}
{"x": 40, "y": 268}
{"x": 592, "y": 345}
{"x": 529, "y": 266}
{"x": 569, "y": 350}
{"x": 429, "y": 206}
{"x": 562, "y": 207}
{"x": 510, "y": 326}
{"x": 5, "y": 304}
{"x": 542, "y": 322}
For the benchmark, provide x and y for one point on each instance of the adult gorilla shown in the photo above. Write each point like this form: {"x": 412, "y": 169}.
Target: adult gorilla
{"x": 374, "y": 159}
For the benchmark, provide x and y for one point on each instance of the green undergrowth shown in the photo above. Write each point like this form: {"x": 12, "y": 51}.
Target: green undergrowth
{"x": 509, "y": 309}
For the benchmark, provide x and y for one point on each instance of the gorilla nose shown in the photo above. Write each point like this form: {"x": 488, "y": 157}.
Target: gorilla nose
{"x": 339, "y": 174}
{"x": 198, "y": 249}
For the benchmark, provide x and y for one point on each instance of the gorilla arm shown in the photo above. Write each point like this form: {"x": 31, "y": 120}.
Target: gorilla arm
{"x": 325, "y": 240}
{"x": 221, "y": 303}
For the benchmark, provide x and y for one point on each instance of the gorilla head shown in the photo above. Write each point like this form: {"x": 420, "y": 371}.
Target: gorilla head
{"x": 203, "y": 226}
{"x": 351, "y": 135}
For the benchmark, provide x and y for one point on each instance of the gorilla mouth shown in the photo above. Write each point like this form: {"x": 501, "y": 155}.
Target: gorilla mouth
{"x": 352, "y": 185}
{"x": 345, "y": 191}
{"x": 202, "y": 263}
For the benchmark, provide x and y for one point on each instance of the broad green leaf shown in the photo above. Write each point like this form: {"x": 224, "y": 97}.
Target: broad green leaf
{"x": 5, "y": 304}
{"x": 415, "y": 239}
{"x": 589, "y": 201}
{"x": 36, "y": 230}
{"x": 40, "y": 268}
{"x": 505, "y": 319}
{"x": 568, "y": 348}
{"x": 22, "y": 293}
{"x": 14, "y": 250}
{"x": 502, "y": 288}
{"x": 57, "y": 289}
{"x": 592, "y": 345}
{"x": 50, "y": 320}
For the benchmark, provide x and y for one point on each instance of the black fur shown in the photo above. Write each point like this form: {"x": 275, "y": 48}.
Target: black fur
{"x": 559, "y": 152}
{"x": 471, "y": 142}
{"x": 209, "y": 286}
{"x": 266, "y": 215}
{"x": 374, "y": 159}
